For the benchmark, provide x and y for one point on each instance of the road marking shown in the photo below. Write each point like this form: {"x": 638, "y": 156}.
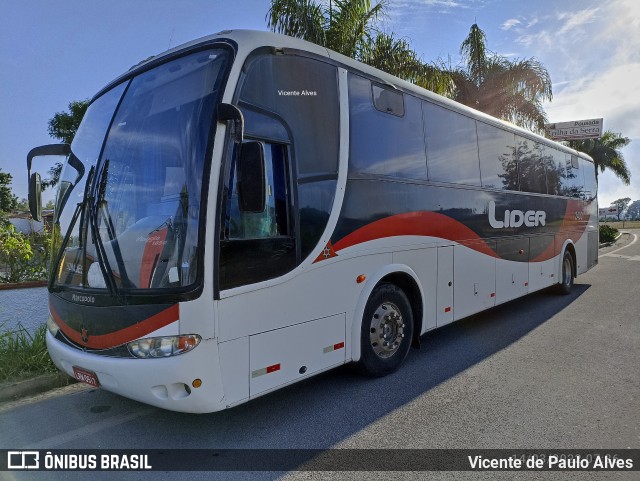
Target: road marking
{"x": 609, "y": 254}
{"x": 88, "y": 430}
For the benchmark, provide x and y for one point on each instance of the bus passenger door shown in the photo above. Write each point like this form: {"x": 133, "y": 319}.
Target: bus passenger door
{"x": 445, "y": 286}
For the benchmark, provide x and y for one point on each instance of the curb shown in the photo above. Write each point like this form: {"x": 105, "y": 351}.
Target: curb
{"x": 22, "y": 285}
{"x": 608, "y": 244}
{"x": 13, "y": 391}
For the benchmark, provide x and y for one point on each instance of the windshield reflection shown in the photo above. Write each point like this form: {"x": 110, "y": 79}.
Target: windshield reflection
{"x": 136, "y": 224}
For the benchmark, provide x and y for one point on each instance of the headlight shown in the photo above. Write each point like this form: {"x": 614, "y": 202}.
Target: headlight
{"x": 163, "y": 346}
{"x": 52, "y": 326}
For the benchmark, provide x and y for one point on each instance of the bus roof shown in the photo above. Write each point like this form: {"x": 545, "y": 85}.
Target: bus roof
{"x": 249, "y": 40}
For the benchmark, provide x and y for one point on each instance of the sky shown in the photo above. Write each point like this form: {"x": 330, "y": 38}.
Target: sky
{"x": 52, "y": 53}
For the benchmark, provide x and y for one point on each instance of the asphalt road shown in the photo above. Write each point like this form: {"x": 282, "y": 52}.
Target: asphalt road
{"x": 543, "y": 372}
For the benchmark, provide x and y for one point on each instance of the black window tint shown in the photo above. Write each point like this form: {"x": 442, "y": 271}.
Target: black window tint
{"x": 259, "y": 125}
{"x": 555, "y": 168}
{"x": 498, "y": 163}
{"x": 573, "y": 185}
{"x": 258, "y": 246}
{"x": 273, "y": 221}
{"x": 315, "y": 200}
{"x": 304, "y": 93}
{"x": 387, "y": 100}
{"x": 590, "y": 185}
{"x": 531, "y": 167}
{"x": 452, "y": 146}
{"x": 381, "y": 143}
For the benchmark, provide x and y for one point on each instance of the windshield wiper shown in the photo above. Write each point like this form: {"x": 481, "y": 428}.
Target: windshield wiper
{"x": 103, "y": 262}
{"x": 102, "y": 206}
{"x": 79, "y": 211}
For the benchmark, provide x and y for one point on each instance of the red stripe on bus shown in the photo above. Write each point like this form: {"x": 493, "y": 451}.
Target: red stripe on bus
{"x": 274, "y": 368}
{"x": 447, "y": 309}
{"x": 105, "y": 341}
{"x": 340, "y": 345}
{"x": 569, "y": 229}
{"x": 428, "y": 224}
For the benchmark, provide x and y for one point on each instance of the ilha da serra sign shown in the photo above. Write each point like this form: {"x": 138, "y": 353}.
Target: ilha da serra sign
{"x": 575, "y": 130}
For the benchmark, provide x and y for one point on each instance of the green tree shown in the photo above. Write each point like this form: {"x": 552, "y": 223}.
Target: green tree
{"x": 633, "y": 211}
{"x": 622, "y": 204}
{"x": 8, "y": 201}
{"x": 606, "y": 153}
{"x": 349, "y": 27}
{"x": 512, "y": 90}
{"x": 63, "y": 126}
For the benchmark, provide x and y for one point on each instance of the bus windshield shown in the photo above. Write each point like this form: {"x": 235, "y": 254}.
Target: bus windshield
{"x": 129, "y": 200}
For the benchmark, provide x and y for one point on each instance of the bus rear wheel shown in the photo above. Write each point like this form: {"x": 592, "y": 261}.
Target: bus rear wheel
{"x": 566, "y": 282}
{"x": 387, "y": 329}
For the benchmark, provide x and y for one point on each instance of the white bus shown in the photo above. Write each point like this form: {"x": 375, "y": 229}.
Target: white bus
{"x": 249, "y": 209}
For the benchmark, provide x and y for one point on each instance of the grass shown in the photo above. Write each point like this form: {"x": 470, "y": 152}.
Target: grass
{"x": 24, "y": 355}
{"x": 627, "y": 224}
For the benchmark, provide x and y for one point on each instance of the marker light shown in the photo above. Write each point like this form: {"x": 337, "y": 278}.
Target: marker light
{"x": 154, "y": 347}
{"x": 52, "y": 326}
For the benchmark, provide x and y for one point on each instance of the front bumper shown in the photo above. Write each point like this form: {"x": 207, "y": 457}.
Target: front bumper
{"x": 164, "y": 382}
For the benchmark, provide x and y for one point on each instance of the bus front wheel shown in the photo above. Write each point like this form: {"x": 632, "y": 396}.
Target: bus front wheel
{"x": 387, "y": 328}
{"x": 566, "y": 282}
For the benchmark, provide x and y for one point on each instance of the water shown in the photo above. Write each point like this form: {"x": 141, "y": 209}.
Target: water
{"x": 26, "y": 307}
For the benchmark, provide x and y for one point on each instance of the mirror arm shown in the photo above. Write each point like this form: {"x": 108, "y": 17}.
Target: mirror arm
{"x": 230, "y": 112}
{"x": 51, "y": 149}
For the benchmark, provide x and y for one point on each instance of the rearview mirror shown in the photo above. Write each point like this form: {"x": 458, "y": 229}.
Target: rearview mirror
{"x": 251, "y": 178}
{"x": 35, "y": 182}
{"x": 35, "y": 196}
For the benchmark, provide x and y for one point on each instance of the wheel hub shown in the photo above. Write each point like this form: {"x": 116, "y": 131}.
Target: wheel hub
{"x": 387, "y": 330}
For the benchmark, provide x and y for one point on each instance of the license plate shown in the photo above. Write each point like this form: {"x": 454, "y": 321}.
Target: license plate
{"x": 85, "y": 376}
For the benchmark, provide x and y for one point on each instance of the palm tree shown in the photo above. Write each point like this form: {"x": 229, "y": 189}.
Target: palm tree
{"x": 511, "y": 90}
{"x": 395, "y": 56}
{"x": 348, "y": 27}
{"x": 606, "y": 153}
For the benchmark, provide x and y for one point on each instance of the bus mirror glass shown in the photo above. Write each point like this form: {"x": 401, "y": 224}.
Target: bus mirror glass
{"x": 251, "y": 177}
{"x": 35, "y": 196}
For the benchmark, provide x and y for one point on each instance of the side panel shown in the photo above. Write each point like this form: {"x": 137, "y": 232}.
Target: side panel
{"x": 424, "y": 263}
{"x": 543, "y": 273}
{"x": 581, "y": 254}
{"x": 445, "y": 286}
{"x": 289, "y": 354}
{"x": 512, "y": 270}
{"x": 475, "y": 280}
{"x": 234, "y": 367}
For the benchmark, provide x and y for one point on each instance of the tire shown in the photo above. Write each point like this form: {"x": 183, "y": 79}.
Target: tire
{"x": 386, "y": 331}
{"x": 566, "y": 282}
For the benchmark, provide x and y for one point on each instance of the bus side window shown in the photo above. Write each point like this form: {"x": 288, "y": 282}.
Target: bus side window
{"x": 590, "y": 184}
{"x": 531, "y": 168}
{"x": 574, "y": 181}
{"x": 554, "y": 164}
{"x": 452, "y": 146}
{"x": 498, "y": 163}
{"x": 257, "y": 246}
{"x": 273, "y": 221}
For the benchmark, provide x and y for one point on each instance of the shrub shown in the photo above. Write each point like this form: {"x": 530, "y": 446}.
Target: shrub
{"x": 24, "y": 355}
{"x": 22, "y": 257}
{"x": 608, "y": 233}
